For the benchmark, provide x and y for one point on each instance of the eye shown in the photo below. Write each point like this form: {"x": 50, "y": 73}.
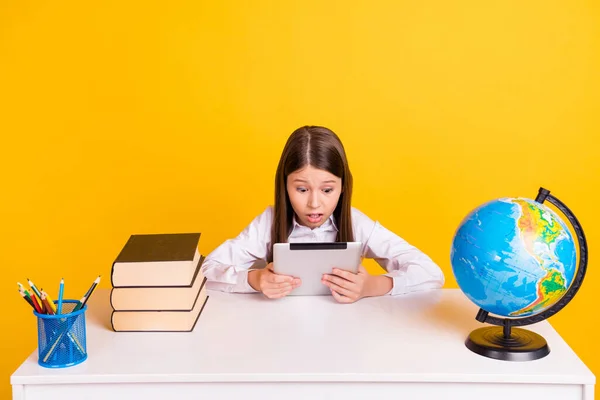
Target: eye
{"x": 301, "y": 189}
{"x": 328, "y": 190}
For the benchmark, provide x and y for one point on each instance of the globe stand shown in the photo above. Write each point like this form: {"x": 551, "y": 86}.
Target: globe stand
{"x": 503, "y": 342}
{"x": 506, "y": 343}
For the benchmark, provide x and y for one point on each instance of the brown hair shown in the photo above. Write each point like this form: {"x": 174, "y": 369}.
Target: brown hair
{"x": 320, "y": 148}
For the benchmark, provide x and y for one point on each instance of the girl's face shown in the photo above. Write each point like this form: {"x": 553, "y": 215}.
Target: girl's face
{"x": 314, "y": 194}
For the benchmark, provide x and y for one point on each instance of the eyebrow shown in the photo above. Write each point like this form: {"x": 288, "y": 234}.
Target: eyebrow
{"x": 305, "y": 181}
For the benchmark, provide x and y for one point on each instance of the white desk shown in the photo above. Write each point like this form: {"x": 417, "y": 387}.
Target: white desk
{"x": 249, "y": 347}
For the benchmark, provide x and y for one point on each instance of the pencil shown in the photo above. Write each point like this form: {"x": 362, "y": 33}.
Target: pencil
{"x": 49, "y": 309}
{"x": 34, "y": 288}
{"x": 34, "y": 303}
{"x": 27, "y": 299}
{"x": 50, "y": 301}
{"x": 61, "y": 289}
{"x": 26, "y": 293}
{"x": 86, "y": 296}
{"x": 38, "y": 301}
{"x": 37, "y": 296}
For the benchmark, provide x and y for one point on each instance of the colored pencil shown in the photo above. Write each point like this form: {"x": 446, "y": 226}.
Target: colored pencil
{"x": 27, "y": 299}
{"x": 86, "y": 296}
{"x": 50, "y": 302}
{"x": 34, "y": 288}
{"x": 61, "y": 289}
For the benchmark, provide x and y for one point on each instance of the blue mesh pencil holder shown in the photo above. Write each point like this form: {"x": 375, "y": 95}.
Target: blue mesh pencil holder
{"x": 61, "y": 338}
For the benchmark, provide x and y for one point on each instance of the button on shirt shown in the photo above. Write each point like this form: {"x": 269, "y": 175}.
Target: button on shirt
{"x": 226, "y": 268}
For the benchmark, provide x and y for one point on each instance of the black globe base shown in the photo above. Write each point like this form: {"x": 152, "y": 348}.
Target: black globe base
{"x": 520, "y": 345}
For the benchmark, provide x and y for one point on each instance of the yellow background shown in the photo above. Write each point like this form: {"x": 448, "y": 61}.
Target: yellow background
{"x": 123, "y": 117}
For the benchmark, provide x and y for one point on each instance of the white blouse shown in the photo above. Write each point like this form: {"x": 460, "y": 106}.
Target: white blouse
{"x": 226, "y": 268}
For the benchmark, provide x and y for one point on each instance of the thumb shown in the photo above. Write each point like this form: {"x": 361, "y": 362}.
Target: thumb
{"x": 362, "y": 270}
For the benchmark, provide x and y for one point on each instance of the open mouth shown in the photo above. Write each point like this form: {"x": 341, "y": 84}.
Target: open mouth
{"x": 314, "y": 218}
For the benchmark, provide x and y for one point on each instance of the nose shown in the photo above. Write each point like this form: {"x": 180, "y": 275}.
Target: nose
{"x": 313, "y": 199}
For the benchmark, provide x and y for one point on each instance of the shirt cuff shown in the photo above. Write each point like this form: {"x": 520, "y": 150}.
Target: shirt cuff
{"x": 242, "y": 285}
{"x": 398, "y": 285}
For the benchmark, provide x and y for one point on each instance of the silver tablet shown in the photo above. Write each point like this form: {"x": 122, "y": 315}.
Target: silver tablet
{"x": 309, "y": 261}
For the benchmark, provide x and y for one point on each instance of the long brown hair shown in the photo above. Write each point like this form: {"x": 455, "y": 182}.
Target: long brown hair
{"x": 320, "y": 148}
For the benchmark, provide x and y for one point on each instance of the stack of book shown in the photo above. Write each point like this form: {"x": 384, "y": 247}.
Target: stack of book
{"x": 157, "y": 284}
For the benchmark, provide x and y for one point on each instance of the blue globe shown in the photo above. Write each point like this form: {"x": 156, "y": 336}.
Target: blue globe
{"x": 513, "y": 257}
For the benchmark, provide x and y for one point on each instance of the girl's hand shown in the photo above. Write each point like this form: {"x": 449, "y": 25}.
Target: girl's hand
{"x": 347, "y": 287}
{"x": 272, "y": 285}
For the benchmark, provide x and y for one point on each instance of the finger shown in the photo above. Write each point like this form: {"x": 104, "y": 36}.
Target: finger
{"x": 349, "y": 276}
{"x": 276, "y": 291}
{"x": 277, "y": 286}
{"x": 296, "y": 282}
{"x": 362, "y": 270}
{"x": 339, "y": 281}
{"x": 278, "y": 295}
{"x": 339, "y": 298}
{"x": 279, "y": 278}
{"x": 343, "y": 291}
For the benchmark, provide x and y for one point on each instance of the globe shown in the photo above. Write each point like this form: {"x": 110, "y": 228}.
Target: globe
{"x": 516, "y": 259}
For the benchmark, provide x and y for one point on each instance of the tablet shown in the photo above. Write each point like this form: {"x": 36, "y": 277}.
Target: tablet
{"x": 309, "y": 261}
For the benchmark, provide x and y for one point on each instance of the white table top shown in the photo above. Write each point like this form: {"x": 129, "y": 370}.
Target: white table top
{"x": 248, "y": 338}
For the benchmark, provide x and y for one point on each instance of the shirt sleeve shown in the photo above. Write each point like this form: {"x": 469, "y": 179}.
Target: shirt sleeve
{"x": 411, "y": 269}
{"x": 226, "y": 267}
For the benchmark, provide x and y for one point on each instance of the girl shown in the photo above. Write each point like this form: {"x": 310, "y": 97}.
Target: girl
{"x": 313, "y": 188}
